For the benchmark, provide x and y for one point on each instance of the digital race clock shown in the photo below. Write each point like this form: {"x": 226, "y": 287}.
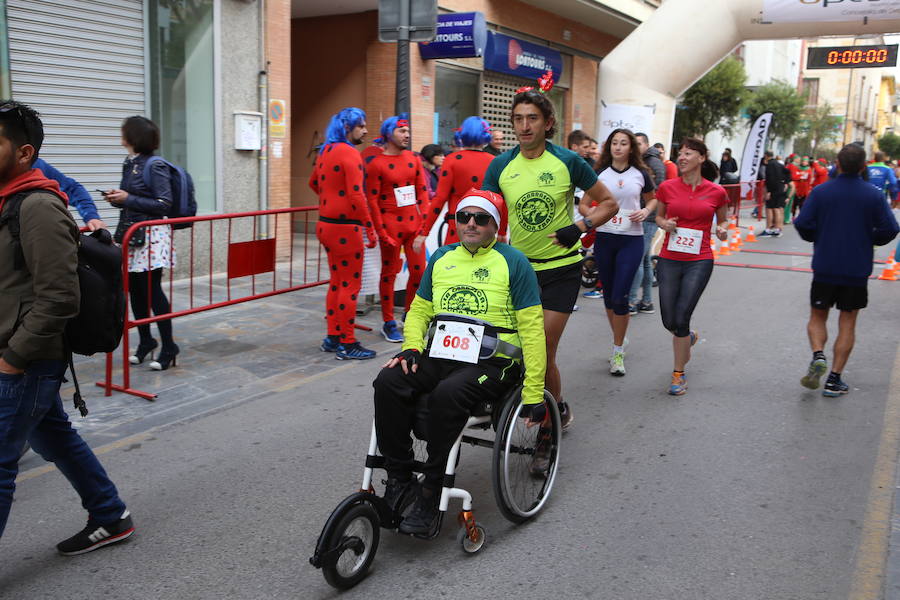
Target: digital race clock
{"x": 851, "y": 57}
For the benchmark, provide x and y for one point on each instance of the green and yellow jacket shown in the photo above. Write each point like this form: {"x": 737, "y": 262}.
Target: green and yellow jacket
{"x": 496, "y": 284}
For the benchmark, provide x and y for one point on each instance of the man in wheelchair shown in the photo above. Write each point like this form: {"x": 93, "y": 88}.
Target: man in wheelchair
{"x": 476, "y": 322}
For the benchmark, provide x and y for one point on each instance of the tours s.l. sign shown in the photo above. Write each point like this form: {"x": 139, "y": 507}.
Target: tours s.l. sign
{"x": 812, "y": 11}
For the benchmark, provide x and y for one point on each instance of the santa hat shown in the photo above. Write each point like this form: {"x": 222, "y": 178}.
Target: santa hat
{"x": 491, "y": 202}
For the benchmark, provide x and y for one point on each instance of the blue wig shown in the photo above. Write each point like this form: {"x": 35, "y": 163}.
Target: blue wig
{"x": 389, "y": 125}
{"x": 473, "y": 132}
{"x": 341, "y": 124}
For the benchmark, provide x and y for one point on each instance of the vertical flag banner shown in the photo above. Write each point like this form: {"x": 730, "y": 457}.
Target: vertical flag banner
{"x": 754, "y": 148}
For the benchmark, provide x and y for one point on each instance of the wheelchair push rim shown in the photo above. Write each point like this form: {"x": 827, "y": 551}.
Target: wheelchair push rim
{"x": 520, "y": 494}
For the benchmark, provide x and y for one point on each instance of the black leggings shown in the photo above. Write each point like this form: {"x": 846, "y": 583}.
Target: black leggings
{"x": 139, "y": 294}
{"x": 681, "y": 283}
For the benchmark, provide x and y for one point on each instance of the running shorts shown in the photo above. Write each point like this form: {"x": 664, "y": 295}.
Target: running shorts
{"x": 845, "y": 297}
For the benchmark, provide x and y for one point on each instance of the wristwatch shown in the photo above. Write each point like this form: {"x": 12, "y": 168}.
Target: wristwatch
{"x": 588, "y": 223}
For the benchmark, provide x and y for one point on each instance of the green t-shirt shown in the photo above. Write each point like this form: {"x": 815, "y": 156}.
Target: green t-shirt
{"x": 540, "y": 194}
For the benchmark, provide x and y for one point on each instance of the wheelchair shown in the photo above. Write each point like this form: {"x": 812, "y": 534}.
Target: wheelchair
{"x": 346, "y": 547}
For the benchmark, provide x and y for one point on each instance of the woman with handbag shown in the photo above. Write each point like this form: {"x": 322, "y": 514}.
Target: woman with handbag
{"x": 144, "y": 198}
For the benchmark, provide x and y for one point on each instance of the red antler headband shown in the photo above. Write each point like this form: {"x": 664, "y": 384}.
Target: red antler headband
{"x": 545, "y": 83}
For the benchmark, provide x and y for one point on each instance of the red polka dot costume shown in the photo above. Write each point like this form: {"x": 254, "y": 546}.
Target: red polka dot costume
{"x": 397, "y": 192}
{"x": 461, "y": 171}
{"x": 343, "y": 212}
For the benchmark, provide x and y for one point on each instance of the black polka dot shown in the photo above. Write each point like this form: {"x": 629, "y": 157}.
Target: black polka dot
{"x": 443, "y": 173}
{"x": 334, "y": 267}
{"x": 375, "y": 192}
{"x": 352, "y": 321}
{"x": 358, "y": 255}
{"x": 383, "y": 211}
{"x": 410, "y": 165}
{"x": 342, "y": 193}
{"x": 396, "y": 185}
{"x": 343, "y": 216}
{"x": 353, "y": 207}
{"x": 337, "y": 327}
{"x": 330, "y": 311}
{"x": 344, "y": 263}
{"x": 353, "y": 296}
{"x": 390, "y": 166}
{"x": 410, "y": 217}
{"x": 424, "y": 189}
{"x": 355, "y": 188}
{"x": 341, "y": 307}
{"x": 437, "y": 211}
{"x": 379, "y": 178}
{"x": 387, "y": 262}
{"x": 384, "y": 298}
{"x": 399, "y": 219}
{"x": 475, "y": 178}
{"x": 337, "y": 168}
{"x": 356, "y": 276}
{"x": 343, "y": 240}
{"x": 416, "y": 267}
{"x": 344, "y": 283}
{"x": 322, "y": 178}
{"x": 458, "y": 156}
{"x": 334, "y": 288}
{"x": 452, "y": 191}
{"x": 384, "y": 197}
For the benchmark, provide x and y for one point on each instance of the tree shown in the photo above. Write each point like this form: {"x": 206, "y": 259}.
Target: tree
{"x": 786, "y": 104}
{"x": 714, "y": 102}
{"x": 889, "y": 143}
{"x": 819, "y": 128}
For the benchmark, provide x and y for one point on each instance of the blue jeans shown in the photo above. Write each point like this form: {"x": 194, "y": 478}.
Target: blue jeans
{"x": 31, "y": 410}
{"x": 645, "y": 270}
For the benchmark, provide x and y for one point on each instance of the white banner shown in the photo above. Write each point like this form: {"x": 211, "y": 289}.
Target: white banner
{"x": 819, "y": 11}
{"x": 754, "y": 148}
{"x": 639, "y": 119}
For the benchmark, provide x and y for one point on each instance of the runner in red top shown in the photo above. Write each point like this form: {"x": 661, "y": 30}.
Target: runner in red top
{"x": 685, "y": 212}
{"x": 397, "y": 192}
{"x": 820, "y": 173}
{"x": 671, "y": 169}
{"x": 801, "y": 175}
{"x": 343, "y": 213}
{"x": 460, "y": 172}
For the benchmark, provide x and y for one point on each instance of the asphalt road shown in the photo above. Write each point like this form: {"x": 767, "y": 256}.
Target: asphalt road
{"x": 748, "y": 487}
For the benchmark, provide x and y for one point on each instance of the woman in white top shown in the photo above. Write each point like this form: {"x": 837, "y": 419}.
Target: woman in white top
{"x": 619, "y": 245}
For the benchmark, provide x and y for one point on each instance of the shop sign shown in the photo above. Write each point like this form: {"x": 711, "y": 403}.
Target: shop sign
{"x": 517, "y": 57}
{"x": 459, "y": 35}
{"x": 823, "y": 11}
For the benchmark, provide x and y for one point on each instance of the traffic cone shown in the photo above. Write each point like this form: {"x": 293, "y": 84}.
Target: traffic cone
{"x": 715, "y": 248}
{"x": 732, "y": 222}
{"x": 735, "y": 246}
{"x": 740, "y": 240}
{"x": 889, "y": 273}
{"x": 724, "y": 250}
{"x": 750, "y": 237}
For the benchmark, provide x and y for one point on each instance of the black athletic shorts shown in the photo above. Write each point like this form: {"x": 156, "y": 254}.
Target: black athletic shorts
{"x": 845, "y": 297}
{"x": 776, "y": 201}
{"x": 560, "y": 287}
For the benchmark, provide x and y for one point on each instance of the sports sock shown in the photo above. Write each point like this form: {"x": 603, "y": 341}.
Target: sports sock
{"x": 618, "y": 349}
{"x": 678, "y": 373}
{"x": 834, "y": 376}
{"x": 818, "y": 355}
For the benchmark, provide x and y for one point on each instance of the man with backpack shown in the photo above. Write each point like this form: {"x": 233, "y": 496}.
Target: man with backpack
{"x": 39, "y": 295}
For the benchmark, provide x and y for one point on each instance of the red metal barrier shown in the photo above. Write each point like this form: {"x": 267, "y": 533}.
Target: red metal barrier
{"x": 754, "y": 196}
{"x": 249, "y": 255}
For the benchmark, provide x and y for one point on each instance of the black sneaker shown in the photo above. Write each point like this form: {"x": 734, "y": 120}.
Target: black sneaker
{"x": 566, "y": 417}
{"x": 395, "y": 489}
{"x": 646, "y": 308}
{"x": 835, "y": 388}
{"x": 95, "y": 535}
{"x": 424, "y": 518}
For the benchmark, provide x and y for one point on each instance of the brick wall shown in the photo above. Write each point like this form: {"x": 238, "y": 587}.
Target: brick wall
{"x": 278, "y": 55}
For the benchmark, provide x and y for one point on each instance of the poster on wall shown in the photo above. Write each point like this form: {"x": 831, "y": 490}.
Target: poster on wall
{"x": 820, "y": 11}
{"x": 639, "y": 119}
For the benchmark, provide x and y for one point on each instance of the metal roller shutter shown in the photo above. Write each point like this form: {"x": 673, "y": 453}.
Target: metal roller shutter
{"x": 497, "y": 92}
{"x": 80, "y": 63}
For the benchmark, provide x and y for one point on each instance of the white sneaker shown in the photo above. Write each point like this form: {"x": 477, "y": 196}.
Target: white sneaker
{"x": 617, "y": 364}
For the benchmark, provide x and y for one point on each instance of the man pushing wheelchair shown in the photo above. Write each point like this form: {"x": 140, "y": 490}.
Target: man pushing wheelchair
{"x": 475, "y": 324}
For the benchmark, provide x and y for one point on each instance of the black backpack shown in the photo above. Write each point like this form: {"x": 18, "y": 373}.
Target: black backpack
{"x": 184, "y": 204}
{"x": 100, "y": 321}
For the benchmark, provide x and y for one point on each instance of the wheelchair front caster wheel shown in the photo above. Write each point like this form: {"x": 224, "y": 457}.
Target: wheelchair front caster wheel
{"x": 468, "y": 546}
{"x": 353, "y": 543}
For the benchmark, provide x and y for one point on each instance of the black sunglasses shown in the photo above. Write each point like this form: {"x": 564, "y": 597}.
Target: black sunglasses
{"x": 481, "y": 219}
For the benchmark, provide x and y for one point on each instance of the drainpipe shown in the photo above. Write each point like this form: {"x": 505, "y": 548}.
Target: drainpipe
{"x": 263, "y": 98}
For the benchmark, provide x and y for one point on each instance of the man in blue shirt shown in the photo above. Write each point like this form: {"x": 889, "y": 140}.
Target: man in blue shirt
{"x": 844, "y": 217}
{"x": 78, "y": 196}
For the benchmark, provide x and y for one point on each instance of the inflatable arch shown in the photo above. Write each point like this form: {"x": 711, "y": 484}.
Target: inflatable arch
{"x": 689, "y": 37}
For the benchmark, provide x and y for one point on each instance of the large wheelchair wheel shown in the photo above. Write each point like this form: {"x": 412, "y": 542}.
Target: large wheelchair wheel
{"x": 521, "y": 494}
{"x": 355, "y": 541}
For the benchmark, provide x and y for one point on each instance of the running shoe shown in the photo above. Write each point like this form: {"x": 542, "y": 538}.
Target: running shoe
{"x": 678, "y": 386}
{"x": 617, "y": 364}
{"x": 835, "y": 388}
{"x": 96, "y": 536}
{"x": 596, "y": 294}
{"x": 391, "y": 332}
{"x": 632, "y": 309}
{"x": 353, "y": 351}
{"x": 817, "y": 368}
{"x": 646, "y": 308}
{"x": 329, "y": 345}
{"x": 765, "y": 233}
{"x": 776, "y": 233}
{"x": 694, "y": 337}
{"x": 565, "y": 415}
